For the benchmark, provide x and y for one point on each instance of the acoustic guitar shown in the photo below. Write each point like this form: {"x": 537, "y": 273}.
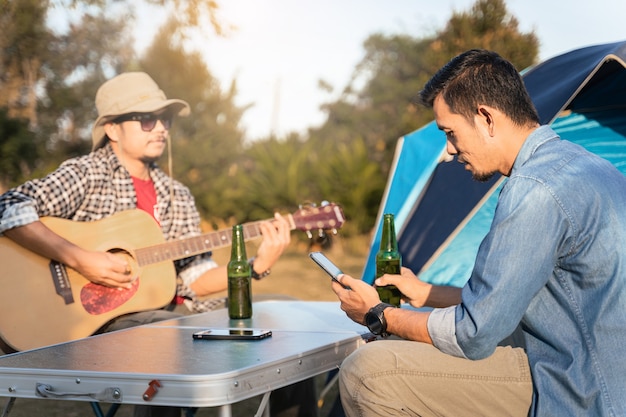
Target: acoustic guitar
{"x": 42, "y": 302}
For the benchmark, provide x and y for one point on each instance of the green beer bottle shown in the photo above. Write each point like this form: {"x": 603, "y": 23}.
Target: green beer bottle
{"x": 388, "y": 261}
{"x": 239, "y": 270}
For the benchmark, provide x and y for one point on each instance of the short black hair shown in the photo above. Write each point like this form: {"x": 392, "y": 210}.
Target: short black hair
{"x": 479, "y": 76}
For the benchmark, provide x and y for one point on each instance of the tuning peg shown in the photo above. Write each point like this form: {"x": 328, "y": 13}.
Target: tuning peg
{"x": 309, "y": 234}
{"x": 324, "y": 203}
{"x": 334, "y": 231}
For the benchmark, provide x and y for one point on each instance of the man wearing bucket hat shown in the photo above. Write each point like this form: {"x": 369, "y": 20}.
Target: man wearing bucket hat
{"x": 129, "y": 136}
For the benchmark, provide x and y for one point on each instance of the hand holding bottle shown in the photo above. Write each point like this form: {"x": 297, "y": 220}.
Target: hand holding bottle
{"x": 419, "y": 293}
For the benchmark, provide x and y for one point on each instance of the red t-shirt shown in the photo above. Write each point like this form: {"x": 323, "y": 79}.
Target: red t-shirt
{"x": 146, "y": 197}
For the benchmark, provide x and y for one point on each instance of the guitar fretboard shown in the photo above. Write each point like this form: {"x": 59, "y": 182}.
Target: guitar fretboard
{"x": 193, "y": 245}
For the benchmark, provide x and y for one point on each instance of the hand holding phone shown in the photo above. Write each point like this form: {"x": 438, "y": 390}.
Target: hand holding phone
{"x": 328, "y": 266}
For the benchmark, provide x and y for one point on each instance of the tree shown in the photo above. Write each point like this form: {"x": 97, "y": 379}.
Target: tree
{"x": 276, "y": 175}
{"x": 22, "y": 47}
{"x": 346, "y": 175}
{"x": 283, "y": 174}
{"x": 487, "y": 25}
{"x": 194, "y": 15}
{"x": 15, "y": 139}
{"x": 49, "y": 78}
{"x": 395, "y": 68}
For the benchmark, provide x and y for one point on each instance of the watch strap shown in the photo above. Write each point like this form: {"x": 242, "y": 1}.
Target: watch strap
{"x": 256, "y": 275}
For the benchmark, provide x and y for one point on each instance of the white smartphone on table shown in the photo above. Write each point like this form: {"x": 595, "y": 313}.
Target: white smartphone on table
{"x": 232, "y": 334}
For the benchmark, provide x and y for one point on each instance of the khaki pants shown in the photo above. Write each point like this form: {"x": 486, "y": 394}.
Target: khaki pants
{"x": 402, "y": 378}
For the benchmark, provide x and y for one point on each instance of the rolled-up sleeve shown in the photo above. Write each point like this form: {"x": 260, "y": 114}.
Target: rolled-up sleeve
{"x": 19, "y": 214}
{"x": 442, "y": 330}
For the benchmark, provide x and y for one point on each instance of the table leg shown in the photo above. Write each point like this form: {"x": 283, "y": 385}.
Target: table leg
{"x": 226, "y": 411}
{"x": 264, "y": 407}
{"x": 8, "y": 406}
{"x": 98, "y": 410}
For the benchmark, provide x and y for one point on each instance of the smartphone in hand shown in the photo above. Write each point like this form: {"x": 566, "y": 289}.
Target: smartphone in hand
{"x": 328, "y": 266}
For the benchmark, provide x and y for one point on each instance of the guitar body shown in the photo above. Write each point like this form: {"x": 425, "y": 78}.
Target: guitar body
{"x": 33, "y": 313}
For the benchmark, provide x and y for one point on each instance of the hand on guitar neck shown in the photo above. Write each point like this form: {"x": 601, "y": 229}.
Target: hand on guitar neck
{"x": 276, "y": 237}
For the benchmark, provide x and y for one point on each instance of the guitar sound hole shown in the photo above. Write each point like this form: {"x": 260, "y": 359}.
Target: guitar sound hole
{"x": 128, "y": 258}
{"x": 98, "y": 299}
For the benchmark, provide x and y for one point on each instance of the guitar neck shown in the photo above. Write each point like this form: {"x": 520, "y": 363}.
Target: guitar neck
{"x": 196, "y": 245}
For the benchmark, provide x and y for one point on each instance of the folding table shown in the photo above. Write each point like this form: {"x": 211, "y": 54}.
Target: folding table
{"x": 161, "y": 364}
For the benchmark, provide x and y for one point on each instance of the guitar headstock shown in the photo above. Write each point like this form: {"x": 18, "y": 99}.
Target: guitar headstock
{"x": 327, "y": 216}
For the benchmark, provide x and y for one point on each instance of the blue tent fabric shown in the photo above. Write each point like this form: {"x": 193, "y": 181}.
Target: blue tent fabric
{"x": 554, "y": 83}
{"x": 442, "y": 216}
{"x": 454, "y": 263}
{"x": 417, "y": 156}
{"x": 449, "y": 199}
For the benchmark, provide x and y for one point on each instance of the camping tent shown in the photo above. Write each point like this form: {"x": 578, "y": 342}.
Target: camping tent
{"x": 442, "y": 215}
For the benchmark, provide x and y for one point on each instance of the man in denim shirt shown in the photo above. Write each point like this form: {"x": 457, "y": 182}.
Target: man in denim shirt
{"x": 553, "y": 262}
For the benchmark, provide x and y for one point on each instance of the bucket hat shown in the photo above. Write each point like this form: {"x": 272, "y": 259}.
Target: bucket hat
{"x": 130, "y": 92}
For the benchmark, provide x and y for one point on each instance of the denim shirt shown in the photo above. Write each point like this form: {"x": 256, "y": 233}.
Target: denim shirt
{"x": 554, "y": 261}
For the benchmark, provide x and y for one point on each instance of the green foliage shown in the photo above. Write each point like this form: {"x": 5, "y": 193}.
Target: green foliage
{"x": 346, "y": 175}
{"x": 22, "y": 43}
{"x": 280, "y": 175}
{"x": 50, "y": 79}
{"x": 17, "y": 141}
{"x": 487, "y": 25}
{"x": 194, "y": 14}
{"x": 273, "y": 176}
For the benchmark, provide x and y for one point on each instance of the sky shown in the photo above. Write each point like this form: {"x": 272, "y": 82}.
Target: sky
{"x": 282, "y": 48}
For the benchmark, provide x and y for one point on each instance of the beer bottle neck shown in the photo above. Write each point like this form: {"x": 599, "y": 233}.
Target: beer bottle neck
{"x": 238, "y": 248}
{"x": 388, "y": 240}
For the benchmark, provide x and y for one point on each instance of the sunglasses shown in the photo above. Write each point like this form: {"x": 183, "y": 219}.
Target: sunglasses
{"x": 147, "y": 120}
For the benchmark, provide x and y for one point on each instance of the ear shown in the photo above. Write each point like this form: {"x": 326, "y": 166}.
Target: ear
{"x": 486, "y": 119}
{"x": 111, "y": 131}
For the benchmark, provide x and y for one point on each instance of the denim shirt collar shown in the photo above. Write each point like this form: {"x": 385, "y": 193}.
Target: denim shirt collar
{"x": 538, "y": 137}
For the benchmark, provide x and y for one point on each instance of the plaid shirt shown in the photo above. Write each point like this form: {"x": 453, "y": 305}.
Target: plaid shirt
{"x": 95, "y": 186}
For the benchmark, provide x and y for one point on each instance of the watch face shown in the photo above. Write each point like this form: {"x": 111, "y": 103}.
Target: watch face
{"x": 374, "y": 323}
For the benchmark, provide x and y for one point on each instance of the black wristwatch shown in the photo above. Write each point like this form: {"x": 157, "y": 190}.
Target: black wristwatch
{"x": 375, "y": 319}
{"x": 256, "y": 275}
